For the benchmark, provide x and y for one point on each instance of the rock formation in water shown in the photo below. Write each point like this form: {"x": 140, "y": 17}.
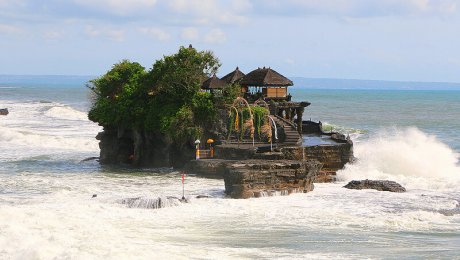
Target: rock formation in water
{"x": 259, "y": 178}
{"x": 141, "y": 148}
{"x": 4, "y": 111}
{"x": 379, "y": 185}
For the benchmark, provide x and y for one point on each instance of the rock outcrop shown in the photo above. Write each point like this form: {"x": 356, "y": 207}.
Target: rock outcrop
{"x": 212, "y": 168}
{"x": 141, "y": 148}
{"x": 376, "y": 185}
{"x": 259, "y": 178}
{"x": 333, "y": 157}
{"x": 4, "y": 111}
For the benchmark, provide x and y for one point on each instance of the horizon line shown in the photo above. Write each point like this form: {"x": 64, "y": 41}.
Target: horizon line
{"x": 304, "y": 77}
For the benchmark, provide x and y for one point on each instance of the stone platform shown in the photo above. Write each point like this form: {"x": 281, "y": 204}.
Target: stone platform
{"x": 258, "y": 178}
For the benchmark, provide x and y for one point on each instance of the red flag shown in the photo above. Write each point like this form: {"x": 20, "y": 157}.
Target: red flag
{"x": 183, "y": 177}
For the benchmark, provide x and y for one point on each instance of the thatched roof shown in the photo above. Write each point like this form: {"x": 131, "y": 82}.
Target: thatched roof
{"x": 213, "y": 83}
{"x": 265, "y": 77}
{"x": 233, "y": 76}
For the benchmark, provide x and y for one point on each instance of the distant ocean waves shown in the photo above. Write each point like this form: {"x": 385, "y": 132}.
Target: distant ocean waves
{"x": 33, "y": 128}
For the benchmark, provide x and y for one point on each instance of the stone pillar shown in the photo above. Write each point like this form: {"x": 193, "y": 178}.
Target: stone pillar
{"x": 293, "y": 113}
{"x": 280, "y": 112}
{"x": 299, "y": 112}
{"x": 288, "y": 113}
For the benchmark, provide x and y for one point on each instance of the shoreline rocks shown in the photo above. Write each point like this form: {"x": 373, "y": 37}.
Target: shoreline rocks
{"x": 379, "y": 185}
{"x": 260, "y": 178}
{"x": 4, "y": 111}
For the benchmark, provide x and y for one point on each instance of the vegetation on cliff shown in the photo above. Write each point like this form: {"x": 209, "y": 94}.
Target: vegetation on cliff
{"x": 165, "y": 98}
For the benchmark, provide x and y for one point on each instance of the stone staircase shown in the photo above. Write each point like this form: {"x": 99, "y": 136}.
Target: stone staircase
{"x": 293, "y": 138}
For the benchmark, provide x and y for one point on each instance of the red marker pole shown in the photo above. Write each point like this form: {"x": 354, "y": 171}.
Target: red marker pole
{"x": 183, "y": 185}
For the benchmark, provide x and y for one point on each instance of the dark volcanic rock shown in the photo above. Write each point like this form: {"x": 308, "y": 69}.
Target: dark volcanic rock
{"x": 152, "y": 203}
{"x": 141, "y": 148}
{"x": 4, "y": 111}
{"x": 259, "y": 178}
{"x": 376, "y": 185}
{"x": 208, "y": 167}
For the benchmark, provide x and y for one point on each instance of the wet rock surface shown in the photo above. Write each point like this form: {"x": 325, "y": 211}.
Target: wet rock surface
{"x": 4, "y": 111}
{"x": 259, "y": 178}
{"x": 379, "y": 185}
{"x": 153, "y": 203}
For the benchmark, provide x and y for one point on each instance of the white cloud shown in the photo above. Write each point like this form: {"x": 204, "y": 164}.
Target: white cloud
{"x": 52, "y": 35}
{"x": 241, "y": 5}
{"x": 210, "y": 12}
{"x": 289, "y": 61}
{"x": 119, "y": 7}
{"x": 190, "y": 33}
{"x": 9, "y": 29}
{"x": 6, "y": 3}
{"x": 156, "y": 33}
{"x": 358, "y": 8}
{"x": 91, "y": 31}
{"x": 111, "y": 34}
{"x": 115, "y": 35}
{"x": 215, "y": 36}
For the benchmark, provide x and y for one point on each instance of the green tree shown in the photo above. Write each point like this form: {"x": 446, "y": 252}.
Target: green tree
{"x": 179, "y": 76}
{"x": 167, "y": 98}
{"x": 118, "y": 95}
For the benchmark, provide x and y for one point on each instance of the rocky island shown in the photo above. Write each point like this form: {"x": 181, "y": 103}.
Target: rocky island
{"x": 243, "y": 128}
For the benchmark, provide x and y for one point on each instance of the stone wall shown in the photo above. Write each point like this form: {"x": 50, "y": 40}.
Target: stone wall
{"x": 333, "y": 157}
{"x": 258, "y": 178}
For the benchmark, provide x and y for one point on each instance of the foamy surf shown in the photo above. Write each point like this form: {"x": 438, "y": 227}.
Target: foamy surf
{"x": 409, "y": 156}
{"x": 47, "y": 210}
{"x": 66, "y": 113}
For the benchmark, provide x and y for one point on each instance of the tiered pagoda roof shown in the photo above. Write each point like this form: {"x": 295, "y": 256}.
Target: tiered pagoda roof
{"x": 265, "y": 77}
{"x": 233, "y": 76}
{"x": 214, "y": 83}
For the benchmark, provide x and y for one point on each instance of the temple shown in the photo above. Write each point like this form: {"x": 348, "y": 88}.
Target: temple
{"x": 263, "y": 84}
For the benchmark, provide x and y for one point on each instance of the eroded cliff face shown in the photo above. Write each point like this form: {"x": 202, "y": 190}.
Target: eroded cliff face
{"x": 259, "y": 178}
{"x": 141, "y": 148}
{"x": 333, "y": 157}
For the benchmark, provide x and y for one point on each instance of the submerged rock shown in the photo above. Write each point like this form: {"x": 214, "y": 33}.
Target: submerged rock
{"x": 152, "y": 203}
{"x": 4, "y": 111}
{"x": 89, "y": 159}
{"x": 379, "y": 185}
{"x": 203, "y": 196}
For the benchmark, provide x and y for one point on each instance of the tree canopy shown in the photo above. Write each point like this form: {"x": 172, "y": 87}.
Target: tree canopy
{"x": 165, "y": 98}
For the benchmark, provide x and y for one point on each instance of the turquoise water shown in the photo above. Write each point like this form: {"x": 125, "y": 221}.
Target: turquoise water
{"x": 47, "y": 209}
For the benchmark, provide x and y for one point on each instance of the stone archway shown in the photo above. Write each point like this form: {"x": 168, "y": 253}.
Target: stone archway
{"x": 238, "y": 105}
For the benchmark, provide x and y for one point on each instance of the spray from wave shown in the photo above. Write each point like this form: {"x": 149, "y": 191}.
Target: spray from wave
{"x": 67, "y": 113}
{"x": 408, "y": 156}
{"x": 354, "y": 133}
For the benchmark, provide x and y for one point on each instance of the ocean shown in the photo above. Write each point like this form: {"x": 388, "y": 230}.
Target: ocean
{"x": 54, "y": 206}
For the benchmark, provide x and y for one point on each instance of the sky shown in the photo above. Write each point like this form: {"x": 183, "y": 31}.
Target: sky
{"x": 403, "y": 40}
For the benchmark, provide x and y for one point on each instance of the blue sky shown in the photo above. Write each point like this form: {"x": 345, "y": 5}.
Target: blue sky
{"x": 409, "y": 40}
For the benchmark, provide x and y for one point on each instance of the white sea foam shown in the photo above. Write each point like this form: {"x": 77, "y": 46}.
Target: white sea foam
{"x": 67, "y": 113}
{"x": 34, "y": 127}
{"x": 31, "y": 140}
{"x": 355, "y": 134}
{"x": 409, "y": 156}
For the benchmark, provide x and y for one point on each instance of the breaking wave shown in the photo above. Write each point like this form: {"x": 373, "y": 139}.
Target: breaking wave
{"x": 34, "y": 140}
{"x": 408, "y": 156}
{"x": 68, "y": 113}
{"x": 354, "y": 133}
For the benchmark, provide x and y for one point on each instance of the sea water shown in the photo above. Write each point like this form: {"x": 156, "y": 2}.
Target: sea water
{"x": 53, "y": 206}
